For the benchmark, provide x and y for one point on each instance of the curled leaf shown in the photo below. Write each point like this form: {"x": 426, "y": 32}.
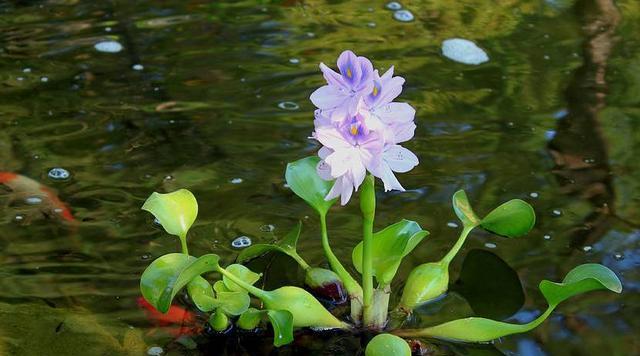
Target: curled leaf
{"x": 241, "y": 272}
{"x": 176, "y": 211}
{"x": 463, "y": 210}
{"x": 303, "y": 179}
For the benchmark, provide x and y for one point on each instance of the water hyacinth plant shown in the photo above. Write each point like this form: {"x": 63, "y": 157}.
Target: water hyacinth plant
{"x": 360, "y": 128}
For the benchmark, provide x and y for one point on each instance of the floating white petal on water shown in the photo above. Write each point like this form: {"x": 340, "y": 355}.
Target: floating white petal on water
{"x": 58, "y": 173}
{"x": 108, "y": 46}
{"x": 403, "y": 16}
{"x": 463, "y": 51}
{"x": 241, "y": 242}
{"x": 155, "y": 351}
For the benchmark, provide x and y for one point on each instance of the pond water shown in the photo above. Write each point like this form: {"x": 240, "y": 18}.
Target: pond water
{"x": 104, "y": 102}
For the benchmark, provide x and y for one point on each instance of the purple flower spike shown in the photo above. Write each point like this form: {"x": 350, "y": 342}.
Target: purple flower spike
{"x": 360, "y": 126}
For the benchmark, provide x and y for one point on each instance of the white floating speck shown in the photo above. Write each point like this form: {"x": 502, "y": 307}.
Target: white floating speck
{"x": 294, "y": 60}
{"x": 463, "y": 51}
{"x": 137, "y": 67}
{"x": 107, "y": 29}
{"x": 533, "y": 194}
{"x": 490, "y": 245}
{"x": 19, "y": 217}
{"x": 58, "y": 173}
{"x": 452, "y": 224}
{"x": 44, "y": 79}
{"x": 241, "y": 242}
{"x": 155, "y": 351}
{"x": 288, "y": 105}
{"x": 587, "y": 248}
{"x": 108, "y": 46}
{"x": 556, "y": 212}
{"x": 33, "y": 200}
{"x": 26, "y": 70}
{"x": 618, "y": 256}
{"x": 547, "y": 237}
{"x": 393, "y": 5}
{"x": 403, "y": 16}
{"x": 236, "y": 181}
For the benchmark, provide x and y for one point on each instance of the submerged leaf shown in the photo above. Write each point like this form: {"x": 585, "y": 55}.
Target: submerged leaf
{"x": 175, "y": 211}
{"x": 463, "y": 209}
{"x": 387, "y": 344}
{"x": 514, "y": 218}
{"x": 389, "y": 247}
{"x": 303, "y": 179}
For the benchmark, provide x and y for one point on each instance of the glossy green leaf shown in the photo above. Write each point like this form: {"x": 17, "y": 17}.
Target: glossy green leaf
{"x": 304, "y": 181}
{"x": 287, "y": 246}
{"x": 282, "y": 323}
{"x": 219, "y": 286}
{"x": 512, "y": 219}
{"x": 387, "y": 345}
{"x": 219, "y": 321}
{"x": 463, "y": 209}
{"x": 425, "y": 283}
{"x": 175, "y": 211}
{"x": 250, "y": 319}
{"x": 241, "y": 272}
{"x": 234, "y": 303}
{"x": 389, "y": 247}
{"x": 201, "y": 294}
{"x": 166, "y": 275}
{"x": 584, "y": 278}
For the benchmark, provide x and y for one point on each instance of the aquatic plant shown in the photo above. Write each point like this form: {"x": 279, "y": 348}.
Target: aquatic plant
{"x": 359, "y": 127}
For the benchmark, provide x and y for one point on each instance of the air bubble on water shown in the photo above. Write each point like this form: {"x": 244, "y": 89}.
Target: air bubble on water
{"x": 546, "y": 57}
{"x": 288, "y": 105}
{"x": 618, "y": 256}
{"x": 587, "y": 248}
{"x": 168, "y": 177}
{"x": 58, "y": 173}
{"x": 44, "y": 79}
{"x": 534, "y": 195}
{"x": 155, "y": 351}
{"x": 490, "y": 245}
{"x": 108, "y": 46}
{"x": 33, "y": 200}
{"x": 556, "y": 212}
{"x": 157, "y": 222}
{"x": 267, "y": 228}
{"x": 241, "y": 242}
{"x": 452, "y": 224}
{"x": 137, "y": 67}
{"x": 107, "y": 29}
{"x": 393, "y": 5}
{"x": 403, "y": 16}
{"x": 294, "y": 60}
{"x": 19, "y": 217}
{"x": 26, "y": 70}
{"x": 146, "y": 256}
{"x": 547, "y": 237}
{"x": 236, "y": 181}
{"x": 463, "y": 51}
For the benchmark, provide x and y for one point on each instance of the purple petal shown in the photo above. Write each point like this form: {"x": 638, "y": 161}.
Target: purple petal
{"x": 324, "y": 171}
{"x": 323, "y": 152}
{"x": 400, "y": 159}
{"x": 402, "y": 132}
{"x": 327, "y": 97}
{"x": 332, "y": 138}
{"x": 395, "y": 112}
{"x": 331, "y": 76}
{"x": 390, "y": 181}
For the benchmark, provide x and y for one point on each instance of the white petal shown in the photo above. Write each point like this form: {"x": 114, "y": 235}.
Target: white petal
{"x": 347, "y": 190}
{"x": 390, "y": 181}
{"x": 396, "y": 112}
{"x": 328, "y": 97}
{"x": 358, "y": 172}
{"x": 403, "y": 132}
{"x": 399, "y": 158}
{"x": 335, "y": 190}
{"x": 331, "y": 137}
{"x": 324, "y": 170}
{"x": 323, "y": 152}
{"x": 341, "y": 161}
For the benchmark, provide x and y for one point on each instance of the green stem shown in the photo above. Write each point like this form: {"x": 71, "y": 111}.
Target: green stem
{"x": 183, "y": 242}
{"x": 368, "y": 208}
{"x": 305, "y": 266}
{"x": 251, "y": 289}
{"x": 352, "y": 286}
{"x": 461, "y": 239}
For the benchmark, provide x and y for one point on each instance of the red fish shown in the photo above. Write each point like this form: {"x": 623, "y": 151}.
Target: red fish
{"x": 177, "y": 321}
{"x": 22, "y": 187}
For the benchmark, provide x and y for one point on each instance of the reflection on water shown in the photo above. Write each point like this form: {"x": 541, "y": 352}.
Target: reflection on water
{"x": 132, "y": 97}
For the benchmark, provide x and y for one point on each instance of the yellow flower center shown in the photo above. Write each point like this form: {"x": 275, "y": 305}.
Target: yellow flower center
{"x": 349, "y": 74}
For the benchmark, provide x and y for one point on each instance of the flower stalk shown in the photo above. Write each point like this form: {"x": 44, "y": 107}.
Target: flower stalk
{"x": 368, "y": 209}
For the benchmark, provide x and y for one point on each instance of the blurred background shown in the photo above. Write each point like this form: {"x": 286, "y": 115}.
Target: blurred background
{"x": 104, "y": 102}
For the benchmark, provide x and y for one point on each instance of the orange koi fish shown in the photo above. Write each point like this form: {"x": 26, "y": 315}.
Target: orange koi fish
{"x": 32, "y": 192}
{"x": 177, "y": 321}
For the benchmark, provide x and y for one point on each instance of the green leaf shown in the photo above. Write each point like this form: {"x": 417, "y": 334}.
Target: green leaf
{"x": 286, "y": 246}
{"x": 514, "y": 218}
{"x": 219, "y": 287}
{"x": 463, "y": 209}
{"x": 202, "y": 294}
{"x": 175, "y": 211}
{"x": 303, "y": 179}
{"x": 166, "y": 275}
{"x": 282, "y": 322}
{"x": 584, "y": 278}
{"x": 241, "y": 272}
{"x": 234, "y": 303}
{"x": 387, "y": 344}
{"x": 219, "y": 321}
{"x": 250, "y": 319}
{"x": 389, "y": 247}
{"x": 426, "y": 282}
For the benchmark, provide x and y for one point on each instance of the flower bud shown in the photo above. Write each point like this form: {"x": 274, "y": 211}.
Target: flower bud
{"x": 326, "y": 285}
{"x": 426, "y": 282}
